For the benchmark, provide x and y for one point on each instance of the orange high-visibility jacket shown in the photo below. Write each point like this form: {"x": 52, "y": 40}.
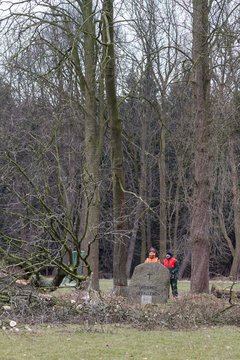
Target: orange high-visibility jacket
{"x": 153, "y": 260}
{"x": 169, "y": 263}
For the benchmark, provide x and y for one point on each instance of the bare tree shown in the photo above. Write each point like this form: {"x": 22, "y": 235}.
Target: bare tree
{"x": 66, "y": 36}
{"x": 200, "y": 223}
{"x": 119, "y": 255}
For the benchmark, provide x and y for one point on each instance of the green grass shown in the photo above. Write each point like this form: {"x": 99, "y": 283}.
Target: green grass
{"x": 183, "y": 285}
{"x": 106, "y": 285}
{"x": 110, "y": 343}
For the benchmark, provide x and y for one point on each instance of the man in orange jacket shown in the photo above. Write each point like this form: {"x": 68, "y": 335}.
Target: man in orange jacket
{"x": 173, "y": 266}
{"x": 152, "y": 257}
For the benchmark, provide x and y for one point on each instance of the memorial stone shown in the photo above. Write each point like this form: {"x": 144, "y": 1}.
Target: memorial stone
{"x": 149, "y": 284}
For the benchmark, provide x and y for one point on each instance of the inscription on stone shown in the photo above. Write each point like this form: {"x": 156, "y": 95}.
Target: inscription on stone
{"x": 148, "y": 290}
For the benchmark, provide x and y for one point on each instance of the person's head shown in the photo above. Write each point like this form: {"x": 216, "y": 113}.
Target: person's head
{"x": 152, "y": 252}
{"x": 169, "y": 254}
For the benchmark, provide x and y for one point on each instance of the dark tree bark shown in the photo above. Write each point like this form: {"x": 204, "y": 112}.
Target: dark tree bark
{"x": 200, "y": 222}
{"x": 120, "y": 253}
{"x": 236, "y": 206}
{"x": 93, "y": 142}
{"x": 163, "y": 193}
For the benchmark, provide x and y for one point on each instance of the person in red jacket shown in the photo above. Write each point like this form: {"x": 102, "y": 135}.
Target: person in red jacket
{"x": 173, "y": 266}
{"x": 152, "y": 257}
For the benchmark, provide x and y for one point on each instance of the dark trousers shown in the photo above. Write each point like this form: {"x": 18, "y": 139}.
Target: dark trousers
{"x": 173, "y": 283}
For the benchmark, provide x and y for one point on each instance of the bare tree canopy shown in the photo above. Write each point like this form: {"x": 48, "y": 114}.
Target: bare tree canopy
{"x": 119, "y": 131}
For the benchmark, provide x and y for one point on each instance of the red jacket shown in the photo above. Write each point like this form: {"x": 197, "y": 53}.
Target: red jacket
{"x": 173, "y": 266}
{"x": 170, "y": 263}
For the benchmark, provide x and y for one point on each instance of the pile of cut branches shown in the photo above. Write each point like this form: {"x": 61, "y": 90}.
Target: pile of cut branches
{"x": 31, "y": 306}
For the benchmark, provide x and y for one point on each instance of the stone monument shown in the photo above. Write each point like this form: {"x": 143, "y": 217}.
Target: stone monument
{"x": 149, "y": 284}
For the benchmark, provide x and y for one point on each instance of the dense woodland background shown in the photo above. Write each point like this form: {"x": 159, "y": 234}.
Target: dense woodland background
{"x": 120, "y": 130}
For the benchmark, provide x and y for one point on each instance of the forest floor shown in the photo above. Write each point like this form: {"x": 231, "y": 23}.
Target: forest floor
{"x": 73, "y": 324}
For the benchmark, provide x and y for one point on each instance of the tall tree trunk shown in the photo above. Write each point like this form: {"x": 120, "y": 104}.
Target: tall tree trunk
{"x": 163, "y": 194}
{"x": 120, "y": 252}
{"x": 176, "y": 221}
{"x": 148, "y": 222}
{"x": 184, "y": 263}
{"x": 200, "y": 222}
{"x": 142, "y": 192}
{"x": 236, "y": 207}
{"x": 132, "y": 242}
{"x": 143, "y": 240}
{"x": 92, "y": 156}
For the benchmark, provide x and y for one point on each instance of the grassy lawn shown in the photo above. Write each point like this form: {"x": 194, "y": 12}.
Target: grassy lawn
{"x": 183, "y": 285}
{"x": 110, "y": 343}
